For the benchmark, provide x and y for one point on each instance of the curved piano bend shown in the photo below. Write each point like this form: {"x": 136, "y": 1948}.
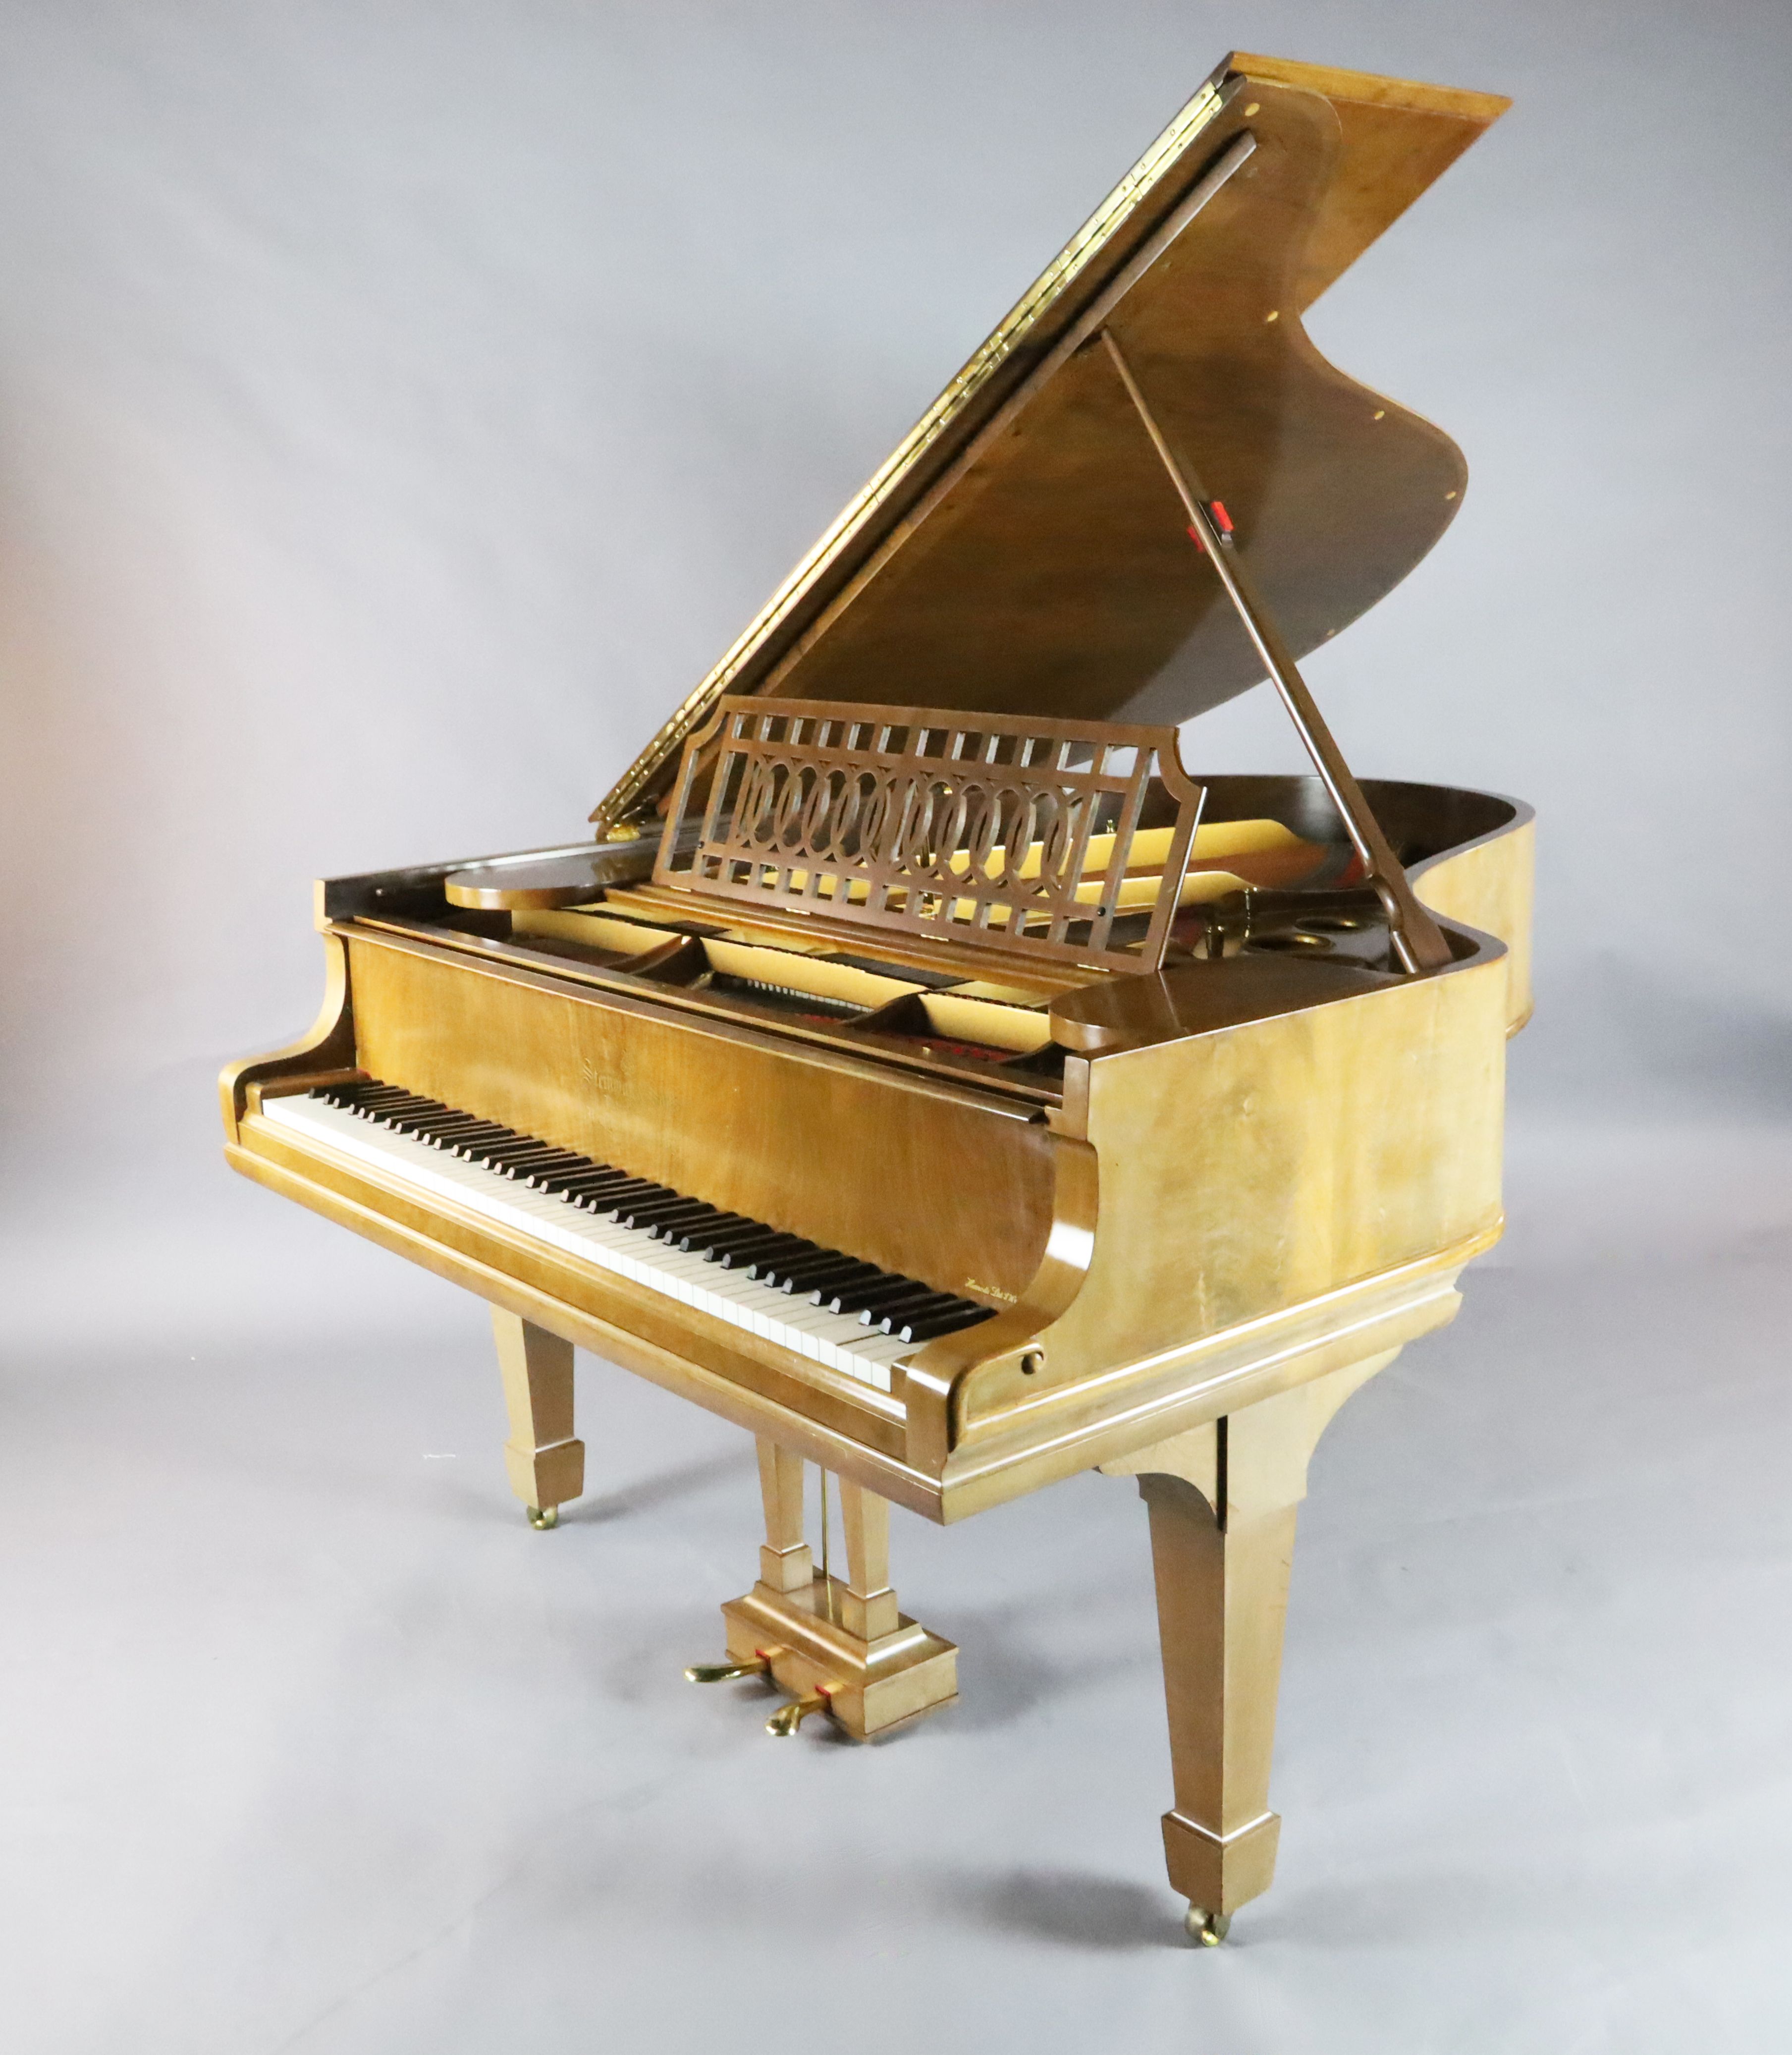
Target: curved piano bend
{"x": 1135, "y": 1146}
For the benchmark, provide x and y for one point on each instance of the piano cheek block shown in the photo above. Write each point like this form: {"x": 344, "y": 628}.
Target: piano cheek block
{"x": 959, "y": 1100}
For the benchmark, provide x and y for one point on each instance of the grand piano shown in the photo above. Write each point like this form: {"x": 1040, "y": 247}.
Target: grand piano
{"x": 922, "y": 1068}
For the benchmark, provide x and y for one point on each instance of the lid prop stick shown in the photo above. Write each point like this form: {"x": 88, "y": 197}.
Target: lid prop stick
{"x": 1417, "y": 938}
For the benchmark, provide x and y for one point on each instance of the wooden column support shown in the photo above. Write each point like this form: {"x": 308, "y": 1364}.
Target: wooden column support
{"x": 785, "y": 1564}
{"x": 1223, "y": 1500}
{"x": 544, "y": 1460}
{"x": 868, "y": 1606}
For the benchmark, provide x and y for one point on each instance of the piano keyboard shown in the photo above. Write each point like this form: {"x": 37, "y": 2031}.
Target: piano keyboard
{"x": 821, "y": 1303}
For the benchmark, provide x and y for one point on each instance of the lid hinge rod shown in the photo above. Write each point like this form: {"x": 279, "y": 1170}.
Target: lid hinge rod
{"x": 1417, "y": 938}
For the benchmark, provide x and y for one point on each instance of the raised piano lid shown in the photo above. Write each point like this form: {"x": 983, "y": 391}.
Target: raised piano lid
{"x": 1023, "y": 552}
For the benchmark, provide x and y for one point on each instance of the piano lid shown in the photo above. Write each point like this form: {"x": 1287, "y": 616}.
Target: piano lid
{"x": 1023, "y": 552}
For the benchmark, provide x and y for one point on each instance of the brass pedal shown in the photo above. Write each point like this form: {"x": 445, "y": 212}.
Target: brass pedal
{"x": 758, "y": 1664}
{"x": 784, "y": 1721}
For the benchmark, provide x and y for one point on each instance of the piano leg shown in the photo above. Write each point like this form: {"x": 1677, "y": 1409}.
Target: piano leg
{"x": 546, "y": 1462}
{"x": 839, "y": 1646}
{"x": 1223, "y": 1500}
{"x": 1221, "y": 1597}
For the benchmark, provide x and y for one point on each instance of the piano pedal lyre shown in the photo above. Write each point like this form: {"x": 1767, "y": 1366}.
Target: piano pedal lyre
{"x": 837, "y": 1646}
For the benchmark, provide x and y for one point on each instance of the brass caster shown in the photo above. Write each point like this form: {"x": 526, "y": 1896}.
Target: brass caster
{"x": 757, "y": 1665}
{"x": 542, "y": 1517}
{"x": 1207, "y": 1929}
{"x": 785, "y": 1721}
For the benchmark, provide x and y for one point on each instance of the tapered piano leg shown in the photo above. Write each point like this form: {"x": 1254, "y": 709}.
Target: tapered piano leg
{"x": 546, "y": 1462}
{"x": 1222, "y": 1593}
{"x": 1223, "y": 1500}
{"x": 838, "y": 1646}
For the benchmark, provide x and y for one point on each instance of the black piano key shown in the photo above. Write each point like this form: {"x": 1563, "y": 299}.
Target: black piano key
{"x": 605, "y": 1194}
{"x": 468, "y": 1148}
{"x": 423, "y": 1126}
{"x": 731, "y": 1223}
{"x": 598, "y": 1194}
{"x": 628, "y": 1192}
{"x": 889, "y": 1312}
{"x": 468, "y": 1142}
{"x": 805, "y": 1284}
{"x": 482, "y": 1148}
{"x": 775, "y": 1264}
{"x": 570, "y": 1159}
{"x": 696, "y": 1237}
{"x": 644, "y": 1212}
{"x": 577, "y": 1178}
{"x": 562, "y": 1163}
{"x": 672, "y": 1225}
{"x": 944, "y": 1305}
{"x": 426, "y": 1121}
{"x": 353, "y": 1097}
{"x": 916, "y": 1328}
{"x": 532, "y": 1158}
{"x": 878, "y": 1304}
{"x": 761, "y": 1264}
{"x": 407, "y": 1107}
{"x": 751, "y": 1238}
{"x": 835, "y": 1291}
{"x": 809, "y": 1279}
{"x": 736, "y": 1227}
{"x": 436, "y": 1128}
{"x": 823, "y": 1257}
{"x": 881, "y": 1291}
{"x": 712, "y": 1219}
{"x": 716, "y": 1233}
{"x": 797, "y": 1272}
{"x": 499, "y": 1155}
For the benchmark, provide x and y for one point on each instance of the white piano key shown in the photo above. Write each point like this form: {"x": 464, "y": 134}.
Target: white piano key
{"x": 839, "y": 1341}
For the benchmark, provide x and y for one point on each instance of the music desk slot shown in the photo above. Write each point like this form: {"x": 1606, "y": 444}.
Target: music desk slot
{"x": 982, "y": 1027}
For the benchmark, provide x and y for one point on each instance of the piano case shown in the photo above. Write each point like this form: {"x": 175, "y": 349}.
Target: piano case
{"x": 923, "y": 1069}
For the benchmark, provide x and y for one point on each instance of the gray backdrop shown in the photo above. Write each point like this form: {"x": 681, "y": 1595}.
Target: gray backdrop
{"x": 400, "y": 407}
